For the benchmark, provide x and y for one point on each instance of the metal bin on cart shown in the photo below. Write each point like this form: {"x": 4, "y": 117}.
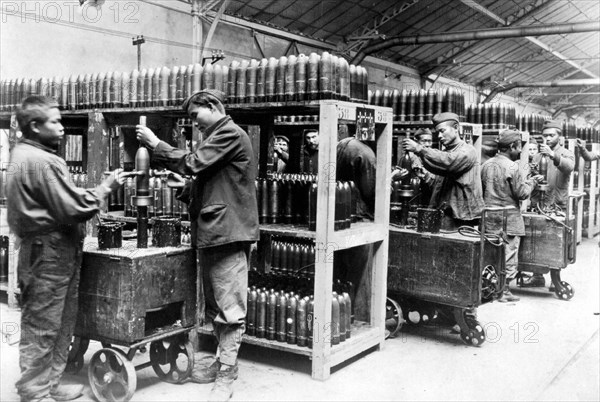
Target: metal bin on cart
{"x": 130, "y": 297}
{"x": 550, "y": 245}
{"x": 444, "y": 276}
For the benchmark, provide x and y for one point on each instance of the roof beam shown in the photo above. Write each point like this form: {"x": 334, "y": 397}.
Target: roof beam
{"x": 362, "y": 35}
{"x": 537, "y": 42}
{"x": 524, "y": 13}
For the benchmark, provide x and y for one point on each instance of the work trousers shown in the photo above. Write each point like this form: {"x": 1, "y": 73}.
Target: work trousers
{"x": 49, "y": 268}
{"x": 511, "y": 251}
{"x": 224, "y": 273}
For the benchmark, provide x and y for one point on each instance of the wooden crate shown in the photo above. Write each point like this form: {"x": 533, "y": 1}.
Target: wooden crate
{"x": 125, "y": 293}
{"x": 439, "y": 268}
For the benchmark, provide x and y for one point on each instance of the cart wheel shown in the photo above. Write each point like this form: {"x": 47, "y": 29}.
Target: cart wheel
{"x": 475, "y": 335}
{"x": 76, "y": 351}
{"x": 393, "y": 318}
{"x": 112, "y": 377}
{"x": 565, "y": 291}
{"x": 172, "y": 359}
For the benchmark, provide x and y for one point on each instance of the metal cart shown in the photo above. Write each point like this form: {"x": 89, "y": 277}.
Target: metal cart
{"x": 444, "y": 276}
{"x": 129, "y": 298}
{"x": 550, "y": 245}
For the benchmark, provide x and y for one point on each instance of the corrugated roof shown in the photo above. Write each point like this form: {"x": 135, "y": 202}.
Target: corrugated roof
{"x": 499, "y": 60}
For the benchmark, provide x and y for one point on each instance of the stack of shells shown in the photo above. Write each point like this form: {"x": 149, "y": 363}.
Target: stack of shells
{"x": 280, "y": 308}
{"x": 492, "y": 116}
{"x": 163, "y": 202}
{"x": 291, "y": 78}
{"x": 292, "y": 199}
{"x": 420, "y": 105}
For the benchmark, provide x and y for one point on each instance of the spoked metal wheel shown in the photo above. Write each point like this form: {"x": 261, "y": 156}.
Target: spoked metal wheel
{"x": 112, "y": 377}
{"x": 172, "y": 359}
{"x": 76, "y": 351}
{"x": 475, "y": 334}
{"x": 393, "y": 318}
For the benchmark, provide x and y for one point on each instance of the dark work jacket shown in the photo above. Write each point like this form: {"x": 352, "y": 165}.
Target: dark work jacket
{"x": 457, "y": 181}
{"x": 310, "y": 162}
{"x": 356, "y": 162}
{"x": 559, "y": 174}
{"x": 505, "y": 185}
{"x": 223, "y": 205}
{"x": 41, "y": 196}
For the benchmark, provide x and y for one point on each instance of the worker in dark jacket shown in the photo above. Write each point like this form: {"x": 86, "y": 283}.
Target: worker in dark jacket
{"x": 281, "y": 148}
{"x": 47, "y": 213}
{"x": 224, "y": 217}
{"x": 310, "y": 152}
{"x": 560, "y": 166}
{"x": 458, "y": 180}
{"x": 505, "y": 185}
{"x": 356, "y": 161}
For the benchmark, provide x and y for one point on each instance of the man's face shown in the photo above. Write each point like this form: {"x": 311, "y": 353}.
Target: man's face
{"x": 282, "y": 144}
{"x": 426, "y": 140}
{"x": 515, "y": 151}
{"x": 312, "y": 140}
{"x": 203, "y": 116}
{"x": 447, "y": 132}
{"x": 551, "y": 135}
{"x": 51, "y": 131}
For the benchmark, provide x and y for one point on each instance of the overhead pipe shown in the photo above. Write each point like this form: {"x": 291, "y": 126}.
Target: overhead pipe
{"x": 465, "y": 36}
{"x": 562, "y": 108}
{"x": 524, "y": 84}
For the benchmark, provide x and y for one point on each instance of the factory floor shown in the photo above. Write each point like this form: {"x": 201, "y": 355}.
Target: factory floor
{"x": 540, "y": 348}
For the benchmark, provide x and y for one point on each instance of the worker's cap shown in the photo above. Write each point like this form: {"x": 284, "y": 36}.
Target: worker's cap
{"x": 283, "y": 137}
{"x": 422, "y": 131}
{"x": 204, "y": 96}
{"x": 507, "y": 137}
{"x": 557, "y": 124}
{"x": 442, "y": 117}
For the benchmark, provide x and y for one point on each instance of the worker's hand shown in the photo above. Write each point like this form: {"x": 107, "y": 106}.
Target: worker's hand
{"x": 546, "y": 150}
{"x": 115, "y": 179}
{"x": 538, "y": 178}
{"x": 411, "y": 146}
{"x": 146, "y": 136}
{"x": 175, "y": 180}
{"x": 419, "y": 172}
{"x": 399, "y": 174}
{"x": 580, "y": 143}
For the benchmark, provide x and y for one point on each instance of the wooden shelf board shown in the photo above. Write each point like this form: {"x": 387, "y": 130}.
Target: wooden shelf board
{"x": 360, "y": 233}
{"x": 289, "y": 230}
{"x": 119, "y": 216}
{"x": 4, "y": 286}
{"x": 363, "y": 337}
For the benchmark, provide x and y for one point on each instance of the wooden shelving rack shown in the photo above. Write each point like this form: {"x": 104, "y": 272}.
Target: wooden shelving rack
{"x": 365, "y": 335}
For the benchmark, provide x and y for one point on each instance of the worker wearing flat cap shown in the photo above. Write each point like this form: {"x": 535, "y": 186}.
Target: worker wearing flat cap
{"x": 224, "y": 219}
{"x": 505, "y": 184}
{"x": 458, "y": 180}
{"x": 281, "y": 148}
{"x": 560, "y": 165}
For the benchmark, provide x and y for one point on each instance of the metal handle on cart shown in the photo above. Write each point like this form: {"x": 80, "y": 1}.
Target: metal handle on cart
{"x": 571, "y": 245}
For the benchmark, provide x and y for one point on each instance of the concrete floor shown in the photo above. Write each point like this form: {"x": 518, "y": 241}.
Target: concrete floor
{"x": 539, "y": 348}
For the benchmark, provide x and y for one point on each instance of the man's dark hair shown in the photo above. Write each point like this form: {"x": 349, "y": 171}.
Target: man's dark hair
{"x": 204, "y": 98}
{"x": 34, "y": 109}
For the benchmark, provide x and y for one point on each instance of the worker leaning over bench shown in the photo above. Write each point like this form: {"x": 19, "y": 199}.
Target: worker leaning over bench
{"x": 505, "y": 185}
{"x": 47, "y": 213}
{"x": 224, "y": 219}
{"x": 458, "y": 181}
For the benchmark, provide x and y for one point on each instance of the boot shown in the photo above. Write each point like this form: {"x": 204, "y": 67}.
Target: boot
{"x": 223, "y": 388}
{"x": 507, "y": 296}
{"x": 534, "y": 281}
{"x": 64, "y": 392}
{"x": 206, "y": 375}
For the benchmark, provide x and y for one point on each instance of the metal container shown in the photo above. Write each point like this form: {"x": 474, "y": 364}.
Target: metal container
{"x": 429, "y": 220}
{"x": 166, "y": 231}
{"x": 110, "y": 235}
